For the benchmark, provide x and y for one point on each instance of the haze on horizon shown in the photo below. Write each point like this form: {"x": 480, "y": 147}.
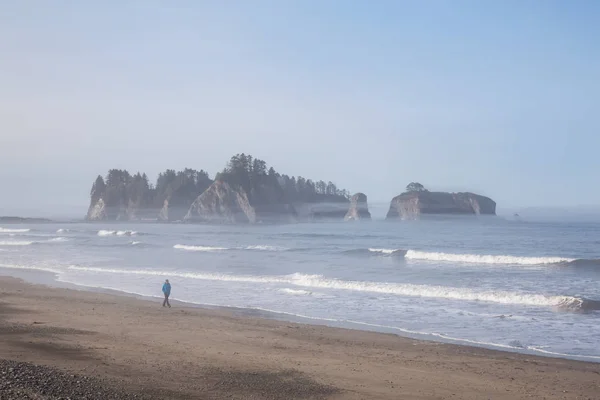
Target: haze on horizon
{"x": 499, "y": 98}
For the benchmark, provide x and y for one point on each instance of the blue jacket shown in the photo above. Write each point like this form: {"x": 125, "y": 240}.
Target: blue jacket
{"x": 167, "y": 289}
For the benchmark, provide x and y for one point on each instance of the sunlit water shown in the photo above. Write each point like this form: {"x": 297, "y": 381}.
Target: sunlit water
{"x": 530, "y": 287}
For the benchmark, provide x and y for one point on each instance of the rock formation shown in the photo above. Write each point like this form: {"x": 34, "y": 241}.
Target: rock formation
{"x": 358, "y": 208}
{"x": 254, "y": 193}
{"x": 411, "y": 205}
{"x": 221, "y": 203}
{"x": 97, "y": 211}
{"x": 163, "y": 214}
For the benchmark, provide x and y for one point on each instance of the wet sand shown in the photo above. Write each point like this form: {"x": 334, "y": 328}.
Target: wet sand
{"x": 137, "y": 348}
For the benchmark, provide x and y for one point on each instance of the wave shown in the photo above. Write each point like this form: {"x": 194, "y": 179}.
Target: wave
{"x": 467, "y": 258}
{"x": 265, "y": 248}
{"x": 6, "y": 230}
{"x": 30, "y": 268}
{"x": 484, "y": 259}
{"x": 568, "y": 303}
{"x": 57, "y": 239}
{"x": 211, "y": 248}
{"x": 16, "y": 243}
{"x": 296, "y": 292}
{"x": 116, "y": 233}
{"x": 198, "y": 248}
{"x": 63, "y": 230}
{"x": 29, "y": 243}
{"x": 376, "y": 252}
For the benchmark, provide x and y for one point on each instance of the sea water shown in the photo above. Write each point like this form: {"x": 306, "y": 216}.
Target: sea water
{"x": 500, "y": 283}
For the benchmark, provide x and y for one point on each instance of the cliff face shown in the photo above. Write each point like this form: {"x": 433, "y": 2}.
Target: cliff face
{"x": 97, "y": 211}
{"x": 412, "y": 204}
{"x": 358, "y": 208}
{"x": 222, "y": 204}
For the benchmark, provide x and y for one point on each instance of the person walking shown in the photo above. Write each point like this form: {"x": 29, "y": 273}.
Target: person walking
{"x": 167, "y": 292}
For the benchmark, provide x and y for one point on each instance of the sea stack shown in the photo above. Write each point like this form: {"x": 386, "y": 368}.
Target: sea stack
{"x": 411, "y": 205}
{"x": 358, "y": 208}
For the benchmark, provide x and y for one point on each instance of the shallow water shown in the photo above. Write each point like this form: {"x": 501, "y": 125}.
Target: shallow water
{"x": 522, "y": 286}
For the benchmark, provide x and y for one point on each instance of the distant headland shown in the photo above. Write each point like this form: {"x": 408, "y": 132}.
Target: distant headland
{"x": 249, "y": 192}
{"x": 22, "y": 220}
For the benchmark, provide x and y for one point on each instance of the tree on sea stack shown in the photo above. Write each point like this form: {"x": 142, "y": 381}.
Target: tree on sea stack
{"x": 415, "y": 187}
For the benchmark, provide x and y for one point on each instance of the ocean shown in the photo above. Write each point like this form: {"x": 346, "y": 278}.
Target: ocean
{"x": 494, "y": 282}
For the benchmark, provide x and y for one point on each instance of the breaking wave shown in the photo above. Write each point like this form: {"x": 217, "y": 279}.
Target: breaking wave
{"x": 29, "y": 243}
{"x": 198, "y": 248}
{"x": 468, "y": 258}
{"x": 57, "y": 239}
{"x": 376, "y": 252}
{"x": 16, "y": 243}
{"x": 484, "y": 259}
{"x": 266, "y": 248}
{"x": 116, "y": 233}
{"x": 211, "y": 248}
{"x": 6, "y": 230}
{"x": 31, "y": 268}
{"x": 567, "y": 303}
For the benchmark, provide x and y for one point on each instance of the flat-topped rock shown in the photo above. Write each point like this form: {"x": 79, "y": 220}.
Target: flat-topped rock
{"x": 411, "y": 205}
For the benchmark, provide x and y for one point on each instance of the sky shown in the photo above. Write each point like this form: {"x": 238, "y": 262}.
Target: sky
{"x": 499, "y": 98}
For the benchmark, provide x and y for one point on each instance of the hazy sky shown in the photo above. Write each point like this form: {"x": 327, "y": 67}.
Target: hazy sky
{"x": 497, "y": 97}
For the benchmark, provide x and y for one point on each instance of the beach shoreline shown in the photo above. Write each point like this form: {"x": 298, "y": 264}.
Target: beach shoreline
{"x": 47, "y": 278}
{"x": 195, "y": 352}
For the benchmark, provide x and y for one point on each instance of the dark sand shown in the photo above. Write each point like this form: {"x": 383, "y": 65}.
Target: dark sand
{"x": 99, "y": 346}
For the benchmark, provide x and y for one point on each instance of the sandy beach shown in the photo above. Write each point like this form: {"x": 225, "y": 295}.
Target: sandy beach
{"x": 139, "y": 349}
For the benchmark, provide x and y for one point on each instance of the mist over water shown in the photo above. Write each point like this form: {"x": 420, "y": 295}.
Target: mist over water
{"x": 501, "y": 283}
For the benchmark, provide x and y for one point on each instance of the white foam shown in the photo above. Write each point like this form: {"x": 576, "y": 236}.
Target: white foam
{"x": 63, "y": 230}
{"x": 399, "y": 289}
{"x": 483, "y": 259}
{"x": 513, "y": 345}
{"x": 135, "y": 243}
{"x": 383, "y": 251}
{"x": 15, "y": 243}
{"x": 59, "y": 239}
{"x": 116, "y": 233}
{"x": 216, "y": 248}
{"x": 6, "y": 230}
{"x": 446, "y": 292}
{"x": 266, "y": 248}
{"x": 198, "y": 248}
{"x": 189, "y": 275}
{"x": 556, "y": 354}
{"x": 30, "y": 267}
{"x": 296, "y": 292}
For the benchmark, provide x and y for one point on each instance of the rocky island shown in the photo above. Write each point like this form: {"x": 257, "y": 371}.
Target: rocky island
{"x": 246, "y": 191}
{"x": 417, "y": 201}
{"x": 358, "y": 208}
